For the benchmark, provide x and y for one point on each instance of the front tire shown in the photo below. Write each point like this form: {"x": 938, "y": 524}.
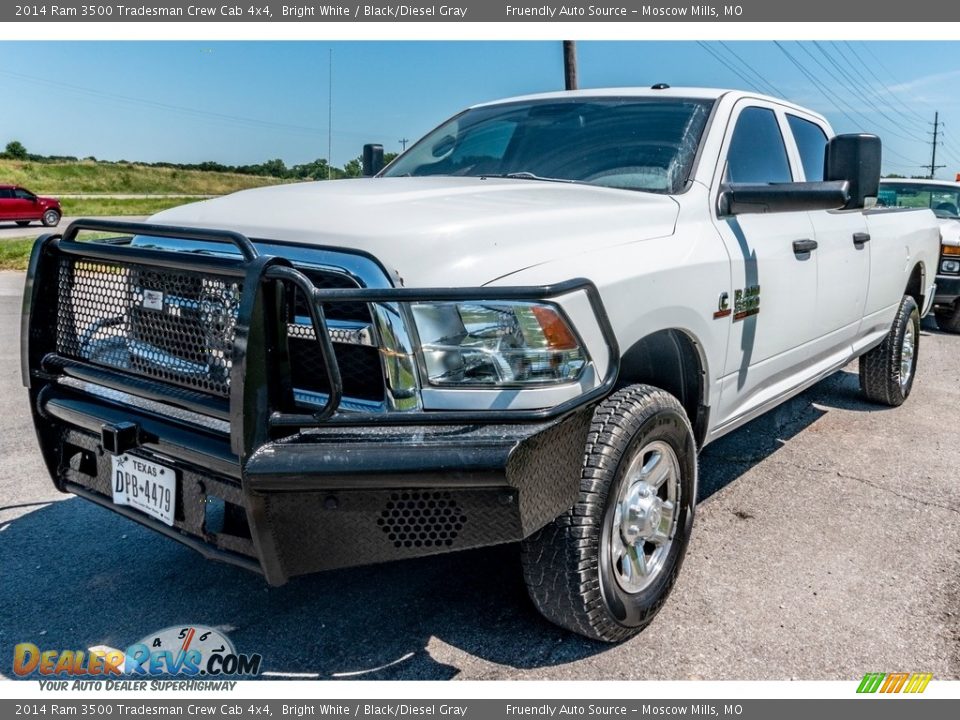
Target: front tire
{"x": 888, "y": 370}
{"x": 51, "y": 218}
{"x": 605, "y": 568}
{"x": 948, "y": 318}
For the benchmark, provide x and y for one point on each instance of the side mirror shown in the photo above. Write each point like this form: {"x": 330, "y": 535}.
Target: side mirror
{"x": 856, "y": 159}
{"x": 747, "y": 198}
{"x": 372, "y": 159}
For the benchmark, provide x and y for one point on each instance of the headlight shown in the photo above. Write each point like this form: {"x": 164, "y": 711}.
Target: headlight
{"x": 950, "y": 266}
{"x": 497, "y": 343}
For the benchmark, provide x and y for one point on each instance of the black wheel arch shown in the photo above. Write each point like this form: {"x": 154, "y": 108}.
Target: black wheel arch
{"x": 671, "y": 360}
{"x": 916, "y": 284}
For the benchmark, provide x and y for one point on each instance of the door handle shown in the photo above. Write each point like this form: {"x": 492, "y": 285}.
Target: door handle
{"x": 804, "y": 246}
{"x": 860, "y": 238}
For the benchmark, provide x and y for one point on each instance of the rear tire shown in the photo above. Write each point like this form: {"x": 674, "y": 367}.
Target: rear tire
{"x": 23, "y": 223}
{"x": 948, "y": 318}
{"x": 588, "y": 571}
{"x": 888, "y": 370}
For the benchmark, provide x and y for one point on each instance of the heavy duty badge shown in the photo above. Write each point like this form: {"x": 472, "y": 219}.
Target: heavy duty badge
{"x": 746, "y": 302}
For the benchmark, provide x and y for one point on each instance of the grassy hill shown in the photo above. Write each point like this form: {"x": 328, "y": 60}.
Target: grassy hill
{"x": 87, "y": 176}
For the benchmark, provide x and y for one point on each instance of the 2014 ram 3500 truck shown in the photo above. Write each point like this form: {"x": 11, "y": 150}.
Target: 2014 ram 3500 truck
{"x": 523, "y": 329}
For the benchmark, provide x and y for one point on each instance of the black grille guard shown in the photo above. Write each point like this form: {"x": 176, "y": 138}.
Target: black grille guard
{"x": 260, "y": 399}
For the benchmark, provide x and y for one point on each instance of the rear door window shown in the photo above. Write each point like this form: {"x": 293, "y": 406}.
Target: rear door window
{"x": 812, "y": 144}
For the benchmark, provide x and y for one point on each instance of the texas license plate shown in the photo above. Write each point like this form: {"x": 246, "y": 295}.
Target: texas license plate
{"x": 147, "y": 486}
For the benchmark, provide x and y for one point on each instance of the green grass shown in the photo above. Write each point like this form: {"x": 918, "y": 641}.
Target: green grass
{"x": 15, "y": 252}
{"x": 105, "y": 207}
{"x": 87, "y": 176}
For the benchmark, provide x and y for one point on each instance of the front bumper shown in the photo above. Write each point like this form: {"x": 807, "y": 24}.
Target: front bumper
{"x": 267, "y": 485}
{"x": 328, "y": 498}
{"x": 948, "y": 289}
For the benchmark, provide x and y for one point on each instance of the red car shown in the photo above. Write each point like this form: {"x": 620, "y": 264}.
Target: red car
{"x": 23, "y": 207}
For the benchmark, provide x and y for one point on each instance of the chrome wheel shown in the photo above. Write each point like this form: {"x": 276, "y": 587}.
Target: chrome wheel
{"x": 51, "y": 218}
{"x": 645, "y": 517}
{"x": 907, "y": 349}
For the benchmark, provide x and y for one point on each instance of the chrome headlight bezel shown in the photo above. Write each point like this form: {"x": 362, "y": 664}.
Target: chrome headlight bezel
{"x": 524, "y": 344}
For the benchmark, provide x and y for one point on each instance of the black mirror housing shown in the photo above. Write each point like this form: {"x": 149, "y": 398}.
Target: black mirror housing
{"x": 856, "y": 159}
{"x": 753, "y": 198}
{"x": 372, "y": 159}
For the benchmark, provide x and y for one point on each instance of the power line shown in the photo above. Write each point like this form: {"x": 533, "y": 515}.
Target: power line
{"x": 879, "y": 83}
{"x": 220, "y": 117}
{"x": 750, "y": 83}
{"x": 857, "y": 88}
{"x": 834, "y": 98}
{"x": 866, "y": 47}
{"x": 746, "y": 66}
{"x": 852, "y": 88}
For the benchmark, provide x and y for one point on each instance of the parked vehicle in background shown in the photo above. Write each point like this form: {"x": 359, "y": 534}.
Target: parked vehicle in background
{"x": 943, "y": 198}
{"x": 19, "y": 205}
{"x": 523, "y": 329}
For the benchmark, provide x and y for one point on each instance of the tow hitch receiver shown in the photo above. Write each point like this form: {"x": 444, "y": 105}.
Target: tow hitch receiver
{"x": 118, "y": 438}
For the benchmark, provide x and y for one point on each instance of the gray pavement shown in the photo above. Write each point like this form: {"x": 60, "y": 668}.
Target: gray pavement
{"x": 35, "y": 229}
{"x": 826, "y": 545}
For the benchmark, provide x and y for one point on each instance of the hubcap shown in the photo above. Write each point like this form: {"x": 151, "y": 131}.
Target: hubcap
{"x": 645, "y": 517}
{"x": 907, "y": 349}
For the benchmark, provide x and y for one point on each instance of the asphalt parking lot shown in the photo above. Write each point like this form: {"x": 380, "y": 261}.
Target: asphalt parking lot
{"x": 826, "y": 545}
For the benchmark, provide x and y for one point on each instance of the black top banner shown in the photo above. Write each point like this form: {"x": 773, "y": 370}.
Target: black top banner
{"x": 618, "y": 11}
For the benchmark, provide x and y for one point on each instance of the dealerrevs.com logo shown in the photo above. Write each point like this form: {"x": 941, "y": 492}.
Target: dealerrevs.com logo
{"x": 901, "y": 682}
{"x": 192, "y": 650}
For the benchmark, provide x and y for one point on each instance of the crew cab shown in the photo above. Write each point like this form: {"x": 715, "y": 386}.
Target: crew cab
{"x": 943, "y": 198}
{"x": 523, "y": 329}
{"x": 19, "y": 205}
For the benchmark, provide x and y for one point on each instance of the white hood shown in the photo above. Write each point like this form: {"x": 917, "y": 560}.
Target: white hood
{"x": 950, "y": 231}
{"x": 446, "y": 232}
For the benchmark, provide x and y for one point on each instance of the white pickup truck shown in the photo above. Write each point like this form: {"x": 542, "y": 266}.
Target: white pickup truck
{"x": 523, "y": 329}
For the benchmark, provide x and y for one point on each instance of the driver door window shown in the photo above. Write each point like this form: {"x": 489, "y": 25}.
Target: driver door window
{"x": 757, "y": 153}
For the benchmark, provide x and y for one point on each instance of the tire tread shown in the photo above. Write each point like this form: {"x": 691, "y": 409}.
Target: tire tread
{"x": 560, "y": 560}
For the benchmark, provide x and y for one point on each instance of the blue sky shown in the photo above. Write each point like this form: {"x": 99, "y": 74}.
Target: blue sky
{"x": 245, "y": 102}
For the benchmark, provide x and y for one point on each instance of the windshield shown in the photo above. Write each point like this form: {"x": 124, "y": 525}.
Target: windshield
{"x": 632, "y": 143}
{"x": 944, "y": 200}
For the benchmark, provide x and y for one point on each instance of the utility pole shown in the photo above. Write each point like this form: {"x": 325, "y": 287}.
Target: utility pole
{"x": 403, "y": 144}
{"x": 330, "y": 121}
{"x": 570, "y": 64}
{"x": 933, "y": 155}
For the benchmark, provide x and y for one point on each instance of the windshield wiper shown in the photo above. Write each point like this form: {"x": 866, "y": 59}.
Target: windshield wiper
{"x": 524, "y": 175}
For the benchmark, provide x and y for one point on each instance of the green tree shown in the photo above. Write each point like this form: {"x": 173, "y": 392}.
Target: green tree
{"x": 15, "y": 150}
{"x": 353, "y": 168}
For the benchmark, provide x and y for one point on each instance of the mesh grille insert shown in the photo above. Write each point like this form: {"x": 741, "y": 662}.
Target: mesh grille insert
{"x": 175, "y": 326}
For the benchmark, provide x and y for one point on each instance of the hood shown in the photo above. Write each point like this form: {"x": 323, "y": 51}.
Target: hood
{"x": 440, "y": 231}
{"x": 950, "y": 231}
{"x": 43, "y": 200}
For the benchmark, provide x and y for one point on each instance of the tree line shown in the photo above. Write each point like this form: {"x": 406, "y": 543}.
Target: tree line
{"x": 318, "y": 169}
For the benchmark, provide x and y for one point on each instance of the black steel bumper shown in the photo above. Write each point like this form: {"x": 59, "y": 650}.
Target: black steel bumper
{"x": 948, "y": 289}
{"x": 266, "y": 485}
